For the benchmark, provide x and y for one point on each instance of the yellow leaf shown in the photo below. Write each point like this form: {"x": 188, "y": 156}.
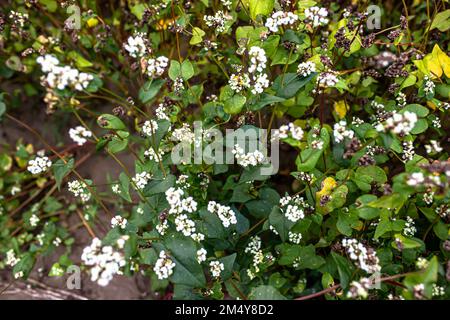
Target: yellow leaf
{"x": 327, "y": 186}
{"x": 444, "y": 60}
{"x": 431, "y": 105}
{"x": 433, "y": 64}
{"x": 92, "y": 22}
{"x": 340, "y": 107}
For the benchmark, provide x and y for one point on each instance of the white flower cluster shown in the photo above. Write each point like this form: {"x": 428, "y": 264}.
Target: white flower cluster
{"x": 443, "y": 211}
{"x": 438, "y": 291}
{"x": 225, "y": 213}
{"x": 248, "y": 159}
{"x": 239, "y": 81}
{"x": 184, "y": 225}
{"x": 428, "y": 86}
{"x": 119, "y": 221}
{"x": 34, "y": 220}
{"x": 18, "y": 18}
{"x": 254, "y": 245}
{"x": 149, "y": 127}
{"x": 141, "y": 179}
{"x": 401, "y": 99}
{"x": 408, "y": 151}
{"x": 79, "y": 134}
{"x": 436, "y": 123}
{"x": 156, "y": 67}
{"x": 216, "y": 268}
{"x": 11, "y": 259}
{"x": 290, "y": 129}
{"x": 201, "y": 255}
{"x": 304, "y": 69}
{"x": 177, "y": 204}
{"x": 422, "y": 263}
{"x": 136, "y": 45}
{"x": 162, "y": 227}
{"x": 38, "y": 165}
{"x": 365, "y": 257}
{"x": 341, "y": 132}
{"x": 317, "y": 16}
{"x": 79, "y": 189}
{"x": 398, "y": 123}
{"x": 293, "y": 207}
{"x": 183, "y": 134}
{"x": 359, "y": 289}
{"x": 62, "y": 77}
{"x": 409, "y": 230}
{"x": 415, "y": 179}
{"x": 164, "y": 266}
{"x": 258, "y": 61}
{"x": 295, "y": 237}
{"x": 104, "y": 262}
{"x": 161, "y": 112}
{"x": 218, "y": 21}
{"x": 280, "y": 18}
{"x": 326, "y": 80}
{"x": 154, "y": 155}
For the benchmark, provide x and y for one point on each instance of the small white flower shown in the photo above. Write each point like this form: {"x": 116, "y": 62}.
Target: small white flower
{"x": 79, "y": 135}
{"x": 341, "y": 132}
{"x": 225, "y": 213}
{"x": 136, "y": 45}
{"x": 279, "y": 19}
{"x": 317, "y": 16}
{"x": 304, "y": 69}
{"x": 216, "y": 268}
{"x": 79, "y": 189}
{"x": 201, "y": 255}
{"x": 34, "y": 220}
{"x": 164, "y": 266}
{"x": 39, "y": 165}
{"x": 156, "y": 67}
{"x": 119, "y": 221}
{"x": 141, "y": 179}
{"x": 149, "y": 128}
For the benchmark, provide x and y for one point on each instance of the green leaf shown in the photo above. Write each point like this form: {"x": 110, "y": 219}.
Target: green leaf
{"x": 150, "y": 89}
{"x": 118, "y": 142}
{"x": 421, "y": 126}
{"x": 228, "y": 263}
{"x": 235, "y": 104}
{"x": 109, "y": 121}
{"x": 61, "y": 169}
{"x": 187, "y": 270}
{"x": 187, "y": 70}
{"x": 305, "y": 256}
{"x": 263, "y": 7}
{"x": 265, "y": 293}
{"x": 174, "y": 70}
{"x": 441, "y": 21}
{"x": 50, "y": 5}
{"x": 281, "y": 224}
{"x": 212, "y": 226}
{"x": 80, "y": 61}
{"x": 287, "y": 85}
{"x": 376, "y": 173}
{"x": 266, "y": 99}
{"x": 159, "y": 186}
{"x": 124, "y": 186}
{"x": 394, "y": 201}
{"x": 344, "y": 268}
{"x": 419, "y": 110}
{"x": 197, "y": 36}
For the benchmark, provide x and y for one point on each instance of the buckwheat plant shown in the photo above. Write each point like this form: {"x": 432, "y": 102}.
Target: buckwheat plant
{"x": 120, "y": 130}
